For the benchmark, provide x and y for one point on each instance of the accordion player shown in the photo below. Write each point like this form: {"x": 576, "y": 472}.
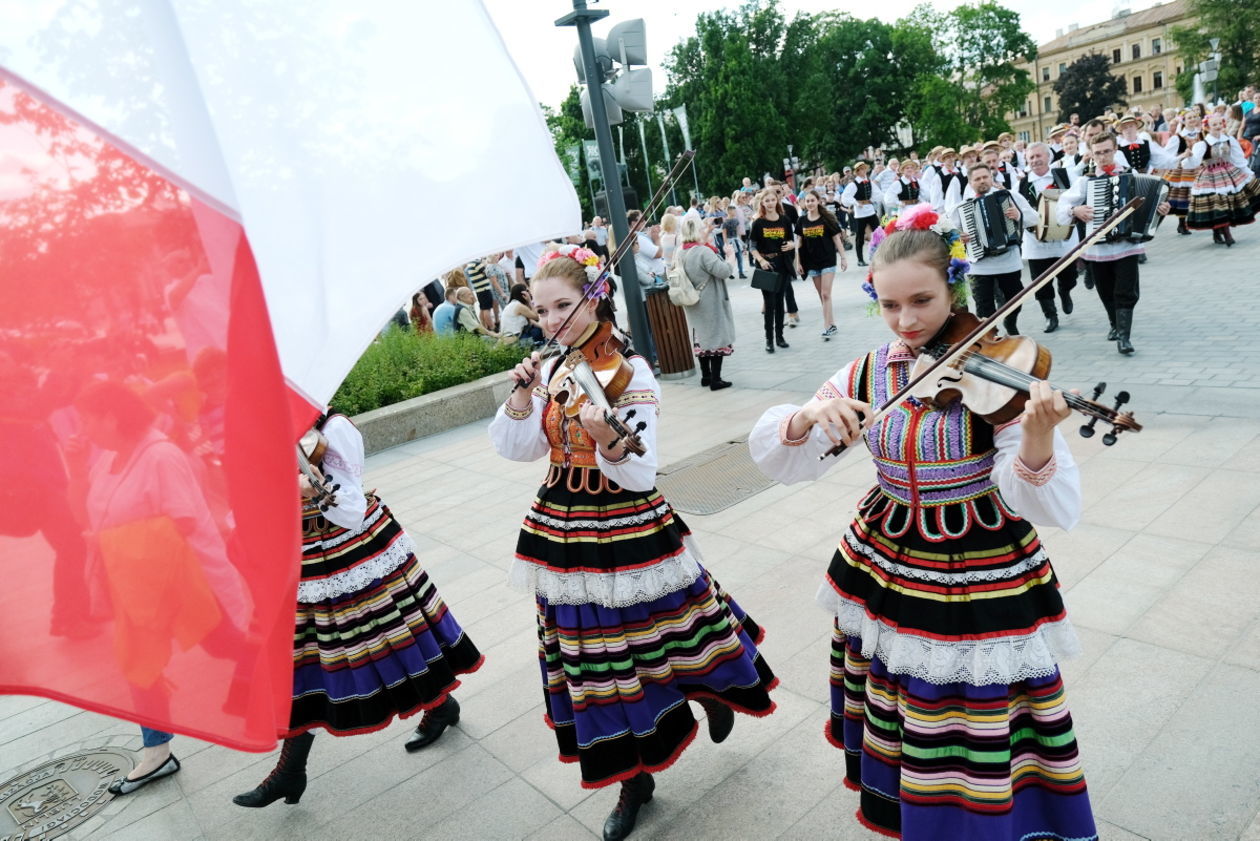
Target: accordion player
{"x": 1106, "y": 194}
{"x": 990, "y": 232}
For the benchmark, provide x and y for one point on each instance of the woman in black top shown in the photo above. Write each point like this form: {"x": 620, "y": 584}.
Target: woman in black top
{"x": 818, "y": 241}
{"x": 771, "y": 241}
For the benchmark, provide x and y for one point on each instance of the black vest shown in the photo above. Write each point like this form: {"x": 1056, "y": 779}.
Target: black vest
{"x": 1059, "y": 179}
{"x": 863, "y": 189}
{"x": 1139, "y": 155}
{"x": 908, "y": 192}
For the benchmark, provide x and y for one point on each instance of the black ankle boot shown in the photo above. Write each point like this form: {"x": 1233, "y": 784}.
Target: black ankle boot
{"x": 1051, "y": 314}
{"x": 721, "y": 719}
{"x": 779, "y": 341}
{"x": 716, "y": 383}
{"x": 706, "y": 368}
{"x": 1227, "y": 237}
{"x": 1010, "y": 325}
{"x": 1181, "y": 226}
{"x": 287, "y": 779}
{"x": 1124, "y": 324}
{"x": 634, "y": 793}
{"x": 432, "y": 724}
{"x": 1066, "y": 295}
{"x": 1216, "y": 236}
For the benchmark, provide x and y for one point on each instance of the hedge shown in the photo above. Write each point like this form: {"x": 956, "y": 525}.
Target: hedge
{"x": 403, "y": 364}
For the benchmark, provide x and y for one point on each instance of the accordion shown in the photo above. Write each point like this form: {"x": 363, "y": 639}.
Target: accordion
{"x": 1105, "y": 194}
{"x": 984, "y": 221}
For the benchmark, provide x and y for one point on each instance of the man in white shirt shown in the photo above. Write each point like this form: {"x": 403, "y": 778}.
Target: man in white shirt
{"x": 1000, "y": 273}
{"x": 1039, "y": 178}
{"x": 858, "y": 196}
{"x": 909, "y": 189}
{"x": 649, "y": 255}
{"x": 601, "y": 231}
{"x": 1114, "y": 265}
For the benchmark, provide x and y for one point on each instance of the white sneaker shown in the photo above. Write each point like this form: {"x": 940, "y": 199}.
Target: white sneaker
{"x": 829, "y": 332}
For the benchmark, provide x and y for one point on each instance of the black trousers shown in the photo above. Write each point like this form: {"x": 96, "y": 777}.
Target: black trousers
{"x": 1117, "y": 284}
{"x": 773, "y": 303}
{"x": 1066, "y": 281}
{"x": 985, "y": 289}
{"x": 862, "y": 224}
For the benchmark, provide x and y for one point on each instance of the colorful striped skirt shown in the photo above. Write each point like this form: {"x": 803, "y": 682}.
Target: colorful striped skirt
{"x": 373, "y": 638}
{"x": 1180, "y": 181}
{"x": 630, "y": 628}
{"x": 1223, "y": 195}
{"x": 946, "y": 696}
{"x": 931, "y": 761}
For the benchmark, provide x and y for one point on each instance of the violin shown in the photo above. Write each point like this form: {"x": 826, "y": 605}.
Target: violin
{"x": 959, "y": 353}
{"x": 310, "y": 451}
{"x": 993, "y": 375}
{"x": 597, "y": 371}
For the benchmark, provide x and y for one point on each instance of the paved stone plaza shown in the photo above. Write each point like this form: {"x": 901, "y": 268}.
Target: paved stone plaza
{"x": 1159, "y": 580}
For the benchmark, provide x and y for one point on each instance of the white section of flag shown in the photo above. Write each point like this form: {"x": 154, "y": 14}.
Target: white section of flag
{"x": 366, "y": 147}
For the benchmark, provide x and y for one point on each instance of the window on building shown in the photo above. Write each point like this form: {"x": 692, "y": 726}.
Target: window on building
{"x": 1157, "y": 80}
{"x": 1137, "y": 51}
{"x": 1046, "y": 104}
{"x": 1178, "y": 73}
{"x": 1137, "y": 84}
{"x": 1157, "y": 46}
{"x": 1115, "y": 56}
{"x": 1025, "y": 136}
{"x": 1062, "y": 68}
{"x": 1045, "y": 74}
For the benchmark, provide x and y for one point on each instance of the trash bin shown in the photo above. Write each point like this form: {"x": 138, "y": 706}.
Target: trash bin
{"x": 669, "y": 328}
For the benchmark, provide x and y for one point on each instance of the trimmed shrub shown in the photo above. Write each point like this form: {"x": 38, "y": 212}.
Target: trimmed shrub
{"x": 403, "y": 364}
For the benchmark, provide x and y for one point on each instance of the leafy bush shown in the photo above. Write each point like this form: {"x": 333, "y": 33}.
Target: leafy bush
{"x": 403, "y": 364}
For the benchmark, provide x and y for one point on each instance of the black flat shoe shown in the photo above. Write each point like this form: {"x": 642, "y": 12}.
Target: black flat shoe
{"x": 1067, "y": 302}
{"x": 779, "y": 341}
{"x": 769, "y": 347}
{"x": 433, "y": 724}
{"x": 126, "y": 786}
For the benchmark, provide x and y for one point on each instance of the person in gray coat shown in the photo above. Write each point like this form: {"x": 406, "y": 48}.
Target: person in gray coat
{"x": 710, "y": 319}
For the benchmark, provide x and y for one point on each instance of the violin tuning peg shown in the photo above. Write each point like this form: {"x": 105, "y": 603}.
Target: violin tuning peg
{"x": 640, "y": 426}
{"x": 1099, "y": 389}
{"x": 1087, "y": 430}
{"x": 1109, "y": 439}
{"x": 630, "y": 414}
{"x": 1122, "y": 397}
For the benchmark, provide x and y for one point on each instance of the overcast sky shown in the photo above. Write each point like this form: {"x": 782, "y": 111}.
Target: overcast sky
{"x": 544, "y": 52}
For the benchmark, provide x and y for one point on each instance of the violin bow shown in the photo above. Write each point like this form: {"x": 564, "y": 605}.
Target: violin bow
{"x": 964, "y": 345}
{"x": 685, "y": 160}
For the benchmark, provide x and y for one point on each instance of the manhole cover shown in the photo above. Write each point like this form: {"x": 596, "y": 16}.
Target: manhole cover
{"x": 48, "y": 801}
{"x": 713, "y": 480}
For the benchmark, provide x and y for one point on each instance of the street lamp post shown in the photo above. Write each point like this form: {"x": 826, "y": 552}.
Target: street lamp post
{"x": 582, "y": 17}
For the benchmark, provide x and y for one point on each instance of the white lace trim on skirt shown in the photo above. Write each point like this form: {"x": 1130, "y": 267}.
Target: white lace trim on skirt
{"x": 609, "y": 589}
{"x": 356, "y": 578}
{"x": 977, "y": 662}
{"x": 962, "y": 576}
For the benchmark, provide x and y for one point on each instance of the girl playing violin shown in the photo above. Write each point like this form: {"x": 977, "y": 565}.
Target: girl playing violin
{"x": 631, "y": 626}
{"x": 945, "y": 689}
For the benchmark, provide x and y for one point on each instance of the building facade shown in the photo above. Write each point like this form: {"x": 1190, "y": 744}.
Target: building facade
{"x": 1141, "y": 51}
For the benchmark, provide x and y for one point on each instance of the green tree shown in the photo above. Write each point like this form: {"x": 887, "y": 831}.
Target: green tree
{"x": 982, "y": 46}
{"x": 1088, "y": 87}
{"x": 1234, "y": 23}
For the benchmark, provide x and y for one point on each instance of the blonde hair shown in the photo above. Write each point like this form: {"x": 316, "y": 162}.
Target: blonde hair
{"x": 769, "y": 191}
{"x": 669, "y": 223}
{"x": 693, "y": 230}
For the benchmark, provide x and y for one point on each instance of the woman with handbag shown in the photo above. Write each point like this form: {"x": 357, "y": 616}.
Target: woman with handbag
{"x": 770, "y": 240}
{"x": 712, "y": 324}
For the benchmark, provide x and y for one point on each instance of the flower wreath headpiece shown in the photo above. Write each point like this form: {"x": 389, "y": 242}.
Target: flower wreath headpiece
{"x": 590, "y": 261}
{"x": 921, "y": 217}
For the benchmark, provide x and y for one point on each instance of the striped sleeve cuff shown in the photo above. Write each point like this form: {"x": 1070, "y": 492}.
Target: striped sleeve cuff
{"x": 783, "y": 433}
{"x": 1036, "y": 477}
{"x": 518, "y": 414}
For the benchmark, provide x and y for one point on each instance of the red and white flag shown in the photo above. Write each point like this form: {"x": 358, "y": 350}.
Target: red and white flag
{"x": 207, "y": 211}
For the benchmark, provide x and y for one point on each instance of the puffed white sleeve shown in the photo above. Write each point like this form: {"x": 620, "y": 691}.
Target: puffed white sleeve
{"x": 1197, "y": 152}
{"x": 848, "y": 195}
{"x": 790, "y": 461}
{"x": 1165, "y": 157}
{"x": 1050, "y": 496}
{"x": 1236, "y": 154}
{"x": 638, "y": 405}
{"x": 343, "y": 465}
{"x": 519, "y": 436}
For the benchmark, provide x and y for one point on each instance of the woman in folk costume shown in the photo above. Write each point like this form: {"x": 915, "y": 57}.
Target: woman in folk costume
{"x": 1225, "y": 192}
{"x": 373, "y": 638}
{"x": 631, "y": 627}
{"x": 1181, "y": 178}
{"x": 946, "y": 696}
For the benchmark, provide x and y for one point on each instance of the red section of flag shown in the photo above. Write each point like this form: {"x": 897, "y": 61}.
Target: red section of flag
{"x": 149, "y": 542}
